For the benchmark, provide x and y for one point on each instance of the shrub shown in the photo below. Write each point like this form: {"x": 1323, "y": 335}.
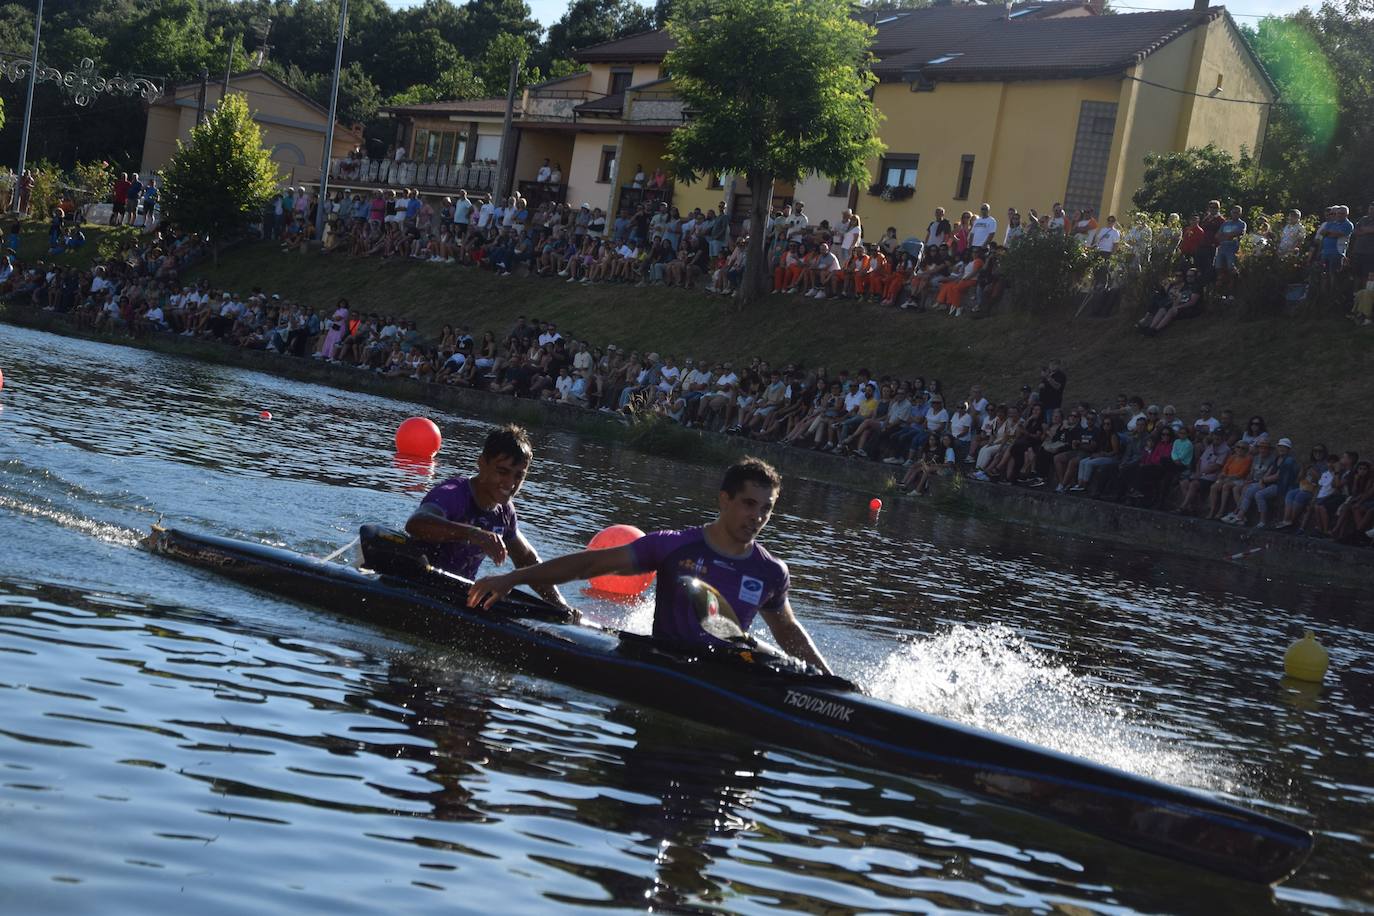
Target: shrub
{"x": 1044, "y": 268}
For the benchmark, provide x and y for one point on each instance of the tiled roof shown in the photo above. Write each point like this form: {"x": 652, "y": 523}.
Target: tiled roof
{"x": 1033, "y": 47}
{"x": 641, "y": 46}
{"x": 936, "y": 26}
{"x": 470, "y": 106}
{"x": 607, "y": 104}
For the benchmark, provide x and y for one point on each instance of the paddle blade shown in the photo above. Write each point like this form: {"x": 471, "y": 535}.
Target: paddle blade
{"x": 714, "y": 613}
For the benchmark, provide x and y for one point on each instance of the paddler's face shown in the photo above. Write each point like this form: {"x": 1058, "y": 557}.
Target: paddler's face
{"x": 500, "y": 478}
{"x": 747, "y": 512}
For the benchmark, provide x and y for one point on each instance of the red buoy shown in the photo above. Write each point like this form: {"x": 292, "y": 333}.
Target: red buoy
{"x": 418, "y": 437}
{"x": 619, "y": 586}
{"x": 875, "y": 504}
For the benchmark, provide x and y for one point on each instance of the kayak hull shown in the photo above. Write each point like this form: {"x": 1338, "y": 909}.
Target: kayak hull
{"x": 780, "y": 702}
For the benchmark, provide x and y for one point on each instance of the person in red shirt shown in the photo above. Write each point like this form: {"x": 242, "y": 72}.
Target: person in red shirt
{"x": 121, "y": 197}
{"x": 1193, "y": 234}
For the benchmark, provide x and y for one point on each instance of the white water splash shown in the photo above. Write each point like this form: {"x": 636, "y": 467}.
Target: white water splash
{"x": 110, "y": 534}
{"x": 991, "y": 678}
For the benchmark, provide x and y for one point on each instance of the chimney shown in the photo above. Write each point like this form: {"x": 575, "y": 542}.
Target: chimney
{"x": 1200, "y": 6}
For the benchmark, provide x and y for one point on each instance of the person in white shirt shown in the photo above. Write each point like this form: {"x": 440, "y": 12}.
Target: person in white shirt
{"x": 486, "y": 215}
{"x": 936, "y": 416}
{"x": 668, "y": 374}
{"x": 798, "y": 222}
{"x": 582, "y": 359}
{"x": 1108, "y": 237}
{"x": 984, "y": 227}
{"x": 544, "y": 172}
{"x": 853, "y": 233}
{"x": 400, "y": 153}
{"x": 1293, "y": 234}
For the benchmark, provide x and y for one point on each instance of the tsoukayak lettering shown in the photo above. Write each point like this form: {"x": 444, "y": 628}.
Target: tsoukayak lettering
{"x": 815, "y": 704}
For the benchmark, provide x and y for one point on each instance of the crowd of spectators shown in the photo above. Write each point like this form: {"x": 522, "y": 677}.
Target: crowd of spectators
{"x": 951, "y": 267}
{"x": 1129, "y": 451}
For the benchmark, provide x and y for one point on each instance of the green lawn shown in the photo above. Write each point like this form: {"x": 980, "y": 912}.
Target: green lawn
{"x": 1308, "y": 375}
{"x": 33, "y": 244}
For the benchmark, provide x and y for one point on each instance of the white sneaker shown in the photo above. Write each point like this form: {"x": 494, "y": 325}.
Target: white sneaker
{"x": 893, "y": 460}
{"x": 562, "y": 273}
{"x": 820, "y": 295}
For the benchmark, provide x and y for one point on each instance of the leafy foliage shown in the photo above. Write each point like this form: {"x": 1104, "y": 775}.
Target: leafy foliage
{"x": 1320, "y": 137}
{"x": 812, "y": 113}
{"x": 217, "y": 183}
{"x": 589, "y": 22}
{"x": 1044, "y": 268}
{"x": 1183, "y": 182}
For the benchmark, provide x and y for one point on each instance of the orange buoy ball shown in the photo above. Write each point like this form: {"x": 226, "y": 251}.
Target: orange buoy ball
{"x": 875, "y": 504}
{"x": 265, "y": 415}
{"x": 619, "y": 586}
{"x": 418, "y": 436}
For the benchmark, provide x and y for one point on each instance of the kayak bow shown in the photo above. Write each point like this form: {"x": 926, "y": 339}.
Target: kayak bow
{"x": 766, "y": 696}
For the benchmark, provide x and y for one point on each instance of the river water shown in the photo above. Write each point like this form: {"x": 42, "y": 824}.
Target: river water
{"x": 167, "y": 739}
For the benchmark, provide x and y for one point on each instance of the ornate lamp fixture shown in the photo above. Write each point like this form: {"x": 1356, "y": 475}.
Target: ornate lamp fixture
{"x": 84, "y": 84}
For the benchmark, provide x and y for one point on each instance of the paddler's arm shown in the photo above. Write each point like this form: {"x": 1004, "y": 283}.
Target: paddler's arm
{"x": 523, "y": 555}
{"x": 792, "y": 636}
{"x": 585, "y": 564}
{"x": 427, "y": 523}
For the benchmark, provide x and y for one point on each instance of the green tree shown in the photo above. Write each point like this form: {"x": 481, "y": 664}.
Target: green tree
{"x": 589, "y": 22}
{"x": 458, "y": 82}
{"x": 488, "y": 18}
{"x": 494, "y": 67}
{"x": 1184, "y": 182}
{"x": 216, "y": 184}
{"x": 813, "y": 112}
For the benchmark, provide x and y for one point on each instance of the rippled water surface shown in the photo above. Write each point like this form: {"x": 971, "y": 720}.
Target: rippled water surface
{"x": 170, "y": 740}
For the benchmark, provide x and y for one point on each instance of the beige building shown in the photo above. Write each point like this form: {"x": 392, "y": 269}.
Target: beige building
{"x": 293, "y": 125}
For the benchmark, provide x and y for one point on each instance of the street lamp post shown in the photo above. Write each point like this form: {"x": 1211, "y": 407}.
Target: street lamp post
{"x": 28, "y": 104}
{"x": 328, "y": 151}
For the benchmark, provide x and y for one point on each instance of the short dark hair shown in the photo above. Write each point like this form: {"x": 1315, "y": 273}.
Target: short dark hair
{"x": 750, "y": 470}
{"x": 509, "y": 441}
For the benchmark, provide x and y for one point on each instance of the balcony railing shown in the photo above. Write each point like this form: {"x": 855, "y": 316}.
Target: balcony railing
{"x": 537, "y": 193}
{"x": 479, "y": 177}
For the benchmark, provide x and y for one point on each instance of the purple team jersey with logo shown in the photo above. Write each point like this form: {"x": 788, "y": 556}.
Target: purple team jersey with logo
{"x": 454, "y": 498}
{"x": 757, "y": 582}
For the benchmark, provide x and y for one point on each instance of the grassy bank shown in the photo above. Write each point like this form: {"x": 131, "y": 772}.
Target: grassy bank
{"x": 1306, "y": 374}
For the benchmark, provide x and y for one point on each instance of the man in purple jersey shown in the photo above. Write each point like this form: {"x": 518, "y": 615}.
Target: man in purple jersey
{"x": 465, "y": 519}
{"x": 741, "y": 579}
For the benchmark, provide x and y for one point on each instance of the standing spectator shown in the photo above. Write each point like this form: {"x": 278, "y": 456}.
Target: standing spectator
{"x": 1228, "y": 236}
{"x": 938, "y": 231}
{"x": 121, "y": 198}
{"x": 1361, "y": 249}
{"x": 26, "y": 183}
{"x": 1053, "y": 380}
{"x": 984, "y": 228}
{"x": 1107, "y": 238}
{"x": 1205, "y": 258}
{"x": 1292, "y": 235}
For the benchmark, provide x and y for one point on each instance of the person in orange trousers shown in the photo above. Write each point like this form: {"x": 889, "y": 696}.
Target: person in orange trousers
{"x": 899, "y": 274}
{"x": 878, "y": 274}
{"x": 952, "y": 293}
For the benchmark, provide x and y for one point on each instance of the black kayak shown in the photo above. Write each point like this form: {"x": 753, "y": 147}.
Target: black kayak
{"x": 764, "y": 696}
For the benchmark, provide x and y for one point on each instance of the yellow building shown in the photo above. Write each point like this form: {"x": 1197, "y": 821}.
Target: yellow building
{"x": 1019, "y": 106}
{"x": 292, "y": 124}
{"x": 1042, "y": 103}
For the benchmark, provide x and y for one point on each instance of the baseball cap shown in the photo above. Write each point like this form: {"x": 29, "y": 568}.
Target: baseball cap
{"x": 1286, "y": 442}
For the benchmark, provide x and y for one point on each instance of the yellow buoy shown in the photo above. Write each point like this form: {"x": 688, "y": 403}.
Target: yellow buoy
{"x": 1306, "y": 659}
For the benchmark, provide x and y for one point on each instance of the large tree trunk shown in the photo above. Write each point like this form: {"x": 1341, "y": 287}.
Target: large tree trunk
{"x": 754, "y": 284}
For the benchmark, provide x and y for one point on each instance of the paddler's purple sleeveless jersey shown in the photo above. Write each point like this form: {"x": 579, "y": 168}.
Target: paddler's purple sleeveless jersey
{"x": 454, "y": 498}
{"x": 757, "y": 582}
